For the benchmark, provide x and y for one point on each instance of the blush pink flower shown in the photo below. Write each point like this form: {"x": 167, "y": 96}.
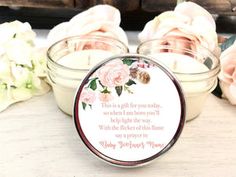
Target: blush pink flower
{"x": 88, "y": 96}
{"x": 113, "y": 74}
{"x": 187, "y": 21}
{"x": 105, "y": 97}
{"x": 227, "y": 74}
{"x": 100, "y": 20}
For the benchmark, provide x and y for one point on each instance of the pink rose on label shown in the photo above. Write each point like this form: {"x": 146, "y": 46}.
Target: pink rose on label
{"x": 188, "y": 21}
{"x": 100, "y": 20}
{"x": 88, "y": 96}
{"x": 105, "y": 97}
{"x": 227, "y": 74}
{"x": 113, "y": 74}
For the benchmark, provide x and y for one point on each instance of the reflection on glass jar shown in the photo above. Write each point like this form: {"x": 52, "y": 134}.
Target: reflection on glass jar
{"x": 194, "y": 66}
{"x": 70, "y": 59}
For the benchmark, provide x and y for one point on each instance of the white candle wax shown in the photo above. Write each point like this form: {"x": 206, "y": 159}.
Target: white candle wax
{"x": 64, "y": 89}
{"x": 184, "y": 67}
{"x": 84, "y": 59}
{"x": 181, "y": 63}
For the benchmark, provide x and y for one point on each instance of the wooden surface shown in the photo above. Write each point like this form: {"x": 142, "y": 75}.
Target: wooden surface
{"x": 214, "y": 6}
{"x": 38, "y": 3}
{"x": 122, "y": 5}
{"x": 153, "y": 5}
{"x": 37, "y": 139}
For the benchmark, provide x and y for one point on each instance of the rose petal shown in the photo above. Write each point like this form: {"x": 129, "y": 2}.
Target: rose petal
{"x": 98, "y": 13}
{"x": 162, "y": 24}
{"x": 39, "y": 60}
{"x": 57, "y": 33}
{"x": 187, "y": 20}
{"x": 19, "y": 52}
{"x": 88, "y": 96}
{"x": 5, "y": 69}
{"x": 101, "y": 19}
{"x": 42, "y": 88}
{"x": 113, "y": 74}
{"x": 227, "y": 51}
{"x": 228, "y": 92}
{"x": 103, "y": 28}
{"x": 232, "y": 89}
{"x": 228, "y": 65}
{"x": 105, "y": 97}
{"x": 194, "y": 10}
{"x": 21, "y": 75}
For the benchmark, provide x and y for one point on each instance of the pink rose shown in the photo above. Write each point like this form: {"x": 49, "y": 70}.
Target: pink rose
{"x": 88, "y": 96}
{"x": 113, "y": 74}
{"x": 227, "y": 74}
{"x": 103, "y": 44}
{"x": 102, "y": 20}
{"x": 105, "y": 97}
{"x": 188, "y": 21}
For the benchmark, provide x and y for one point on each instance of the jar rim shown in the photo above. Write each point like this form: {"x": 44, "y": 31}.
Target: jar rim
{"x": 163, "y": 46}
{"x": 83, "y": 37}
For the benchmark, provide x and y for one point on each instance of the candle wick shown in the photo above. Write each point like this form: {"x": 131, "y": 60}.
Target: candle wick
{"x": 175, "y": 65}
{"x": 89, "y": 58}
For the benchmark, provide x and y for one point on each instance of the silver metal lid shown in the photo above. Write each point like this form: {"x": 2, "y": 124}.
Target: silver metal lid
{"x": 129, "y": 110}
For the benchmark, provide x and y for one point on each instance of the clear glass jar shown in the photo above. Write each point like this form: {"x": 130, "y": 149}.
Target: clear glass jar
{"x": 195, "y": 67}
{"x": 69, "y": 60}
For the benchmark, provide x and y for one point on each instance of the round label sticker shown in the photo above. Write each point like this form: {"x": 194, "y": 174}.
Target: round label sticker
{"x": 129, "y": 110}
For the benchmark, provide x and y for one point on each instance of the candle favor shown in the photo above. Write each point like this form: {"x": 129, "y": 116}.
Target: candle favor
{"x": 129, "y": 110}
{"x": 70, "y": 59}
{"x": 195, "y": 67}
{"x": 188, "y": 46}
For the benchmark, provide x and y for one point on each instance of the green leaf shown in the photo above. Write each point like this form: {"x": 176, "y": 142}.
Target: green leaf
{"x": 84, "y": 105}
{"x": 130, "y": 82}
{"x": 119, "y": 90}
{"x": 128, "y": 61}
{"x": 126, "y": 88}
{"x": 3, "y": 86}
{"x": 28, "y": 85}
{"x": 105, "y": 90}
{"x": 228, "y": 43}
{"x": 93, "y": 84}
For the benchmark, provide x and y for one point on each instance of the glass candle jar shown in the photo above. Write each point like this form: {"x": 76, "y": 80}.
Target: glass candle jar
{"x": 70, "y": 59}
{"x": 195, "y": 67}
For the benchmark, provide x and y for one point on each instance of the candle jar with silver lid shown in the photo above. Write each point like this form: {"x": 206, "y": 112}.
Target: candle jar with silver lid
{"x": 129, "y": 110}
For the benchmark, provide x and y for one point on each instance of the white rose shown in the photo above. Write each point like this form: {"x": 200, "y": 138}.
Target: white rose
{"x": 16, "y": 29}
{"x": 21, "y": 67}
{"x": 102, "y": 20}
{"x": 23, "y": 31}
{"x": 19, "y": 51}
{"x": 20, "y": 74}
{"x": 39, "y": 59}
{"x": 5, "y": 69}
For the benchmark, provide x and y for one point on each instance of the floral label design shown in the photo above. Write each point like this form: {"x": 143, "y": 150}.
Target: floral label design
{"x": 129, "y": 109}
{"x": 115, "y": 76}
